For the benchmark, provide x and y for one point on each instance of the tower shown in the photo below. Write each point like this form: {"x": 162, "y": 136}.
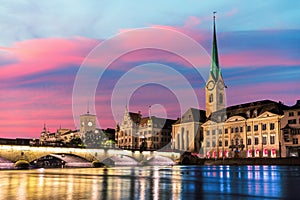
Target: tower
{"x": 87, "y": 123}
{"x": 215, "y": 86}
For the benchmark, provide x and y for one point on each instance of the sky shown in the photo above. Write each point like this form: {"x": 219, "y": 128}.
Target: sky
{"x": 46, "y": 46}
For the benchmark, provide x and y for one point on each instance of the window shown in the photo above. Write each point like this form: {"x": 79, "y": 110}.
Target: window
{"x": 226, "y": 130}
{"x": 272, "y": 139}
{"x": 272, "y": 126}
{"x": 220, "y": 143}
{"x": 232, "y": 130}
{"x": 298, "y": 113}
{"x": 248, "y": 141}
{"x": 295, "y": 140}
{"x": 207, "y": 144}
{"x": 236, "y": 141}
{"x": 255, "y": 127}
{"x": 226, "y": 143}
{"x": 291, "y": 114}
{"x": 207, "y": 132}
{"x": 211, "y": 98}
{"x": 264, "y": 127}
{"x": 213, "y": 132}
{"x": 292, "y": 121}
{"x": 221, "y": 98}
{"x": 236, "y": 129}
{"x": 264, "y": 140}
{"x": 241, "y": 129}
{"x": 256, "y": 141}
{"x": 242, "y": 141}
{"x": 220, "y": 131}
{"x": 255, "y": 113}
{"x": 248, "y": 128}
{"x": 213, "y": 144}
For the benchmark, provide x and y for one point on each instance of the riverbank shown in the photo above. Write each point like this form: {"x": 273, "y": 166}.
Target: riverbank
{"x": 249, "y": 161}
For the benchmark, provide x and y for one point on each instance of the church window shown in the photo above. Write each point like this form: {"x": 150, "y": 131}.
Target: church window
{"x": 211, "y": 98}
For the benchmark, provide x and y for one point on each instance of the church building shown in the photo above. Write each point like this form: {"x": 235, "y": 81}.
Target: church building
{"x": 247, "y": 130}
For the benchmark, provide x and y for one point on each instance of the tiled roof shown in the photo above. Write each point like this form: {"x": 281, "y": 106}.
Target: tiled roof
{"x": 135, "y": 117}
{"x": 250, "y": 110}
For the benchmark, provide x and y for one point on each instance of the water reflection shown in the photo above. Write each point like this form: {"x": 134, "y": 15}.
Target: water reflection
{"x": 177, "y": 182}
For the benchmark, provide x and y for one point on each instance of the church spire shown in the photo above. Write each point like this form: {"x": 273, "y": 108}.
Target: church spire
{"x": 215, "y": 69}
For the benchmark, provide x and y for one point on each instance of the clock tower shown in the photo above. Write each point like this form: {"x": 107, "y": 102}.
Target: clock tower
{"x": 87, "y": 123}
{"x": 215, "y": 86}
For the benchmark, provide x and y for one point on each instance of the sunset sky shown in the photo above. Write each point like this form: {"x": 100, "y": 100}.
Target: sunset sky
{"x": 44, "y": 43}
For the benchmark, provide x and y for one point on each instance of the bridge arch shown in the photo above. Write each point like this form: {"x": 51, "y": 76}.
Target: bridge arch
{"x": 120, "y": 160}
{"x": 60, "y": 160}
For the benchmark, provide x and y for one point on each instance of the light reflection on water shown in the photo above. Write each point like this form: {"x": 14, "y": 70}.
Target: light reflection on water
{"x": 177, "y": 182}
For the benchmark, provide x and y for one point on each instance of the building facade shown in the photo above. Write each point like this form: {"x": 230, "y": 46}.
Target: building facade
{"x": 290, "y": 124}
{"x": 136, "y": 132}
{"x": 187, "y": 134}
{"x": 247, "y": 130}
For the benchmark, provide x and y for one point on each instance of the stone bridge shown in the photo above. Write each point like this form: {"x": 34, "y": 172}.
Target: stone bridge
{"x": 14, "y": 153}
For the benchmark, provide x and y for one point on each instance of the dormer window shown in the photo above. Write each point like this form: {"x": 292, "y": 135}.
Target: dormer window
{"x": 248, "y": 114}
{"x": 255, "y": 113}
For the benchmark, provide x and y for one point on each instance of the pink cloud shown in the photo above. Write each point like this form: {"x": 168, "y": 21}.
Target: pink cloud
{"x": 38, "y": 55}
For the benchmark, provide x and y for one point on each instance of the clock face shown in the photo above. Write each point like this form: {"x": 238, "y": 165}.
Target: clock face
{"x": 210, "y": 85}
{"x": 90, "y": 124}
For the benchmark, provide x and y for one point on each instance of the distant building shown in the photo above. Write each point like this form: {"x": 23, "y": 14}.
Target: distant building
{"x": 187, "y": 134}
{"x": 87, "y": 136}
{"x": 134, "y": 131}
{"x": 290, "y": 124}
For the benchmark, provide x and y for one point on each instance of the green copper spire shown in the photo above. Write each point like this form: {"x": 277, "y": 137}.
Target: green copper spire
{"x": 215, "y": 69}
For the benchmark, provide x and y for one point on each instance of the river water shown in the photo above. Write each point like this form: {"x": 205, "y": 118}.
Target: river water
{"x": 177, "y": 182}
